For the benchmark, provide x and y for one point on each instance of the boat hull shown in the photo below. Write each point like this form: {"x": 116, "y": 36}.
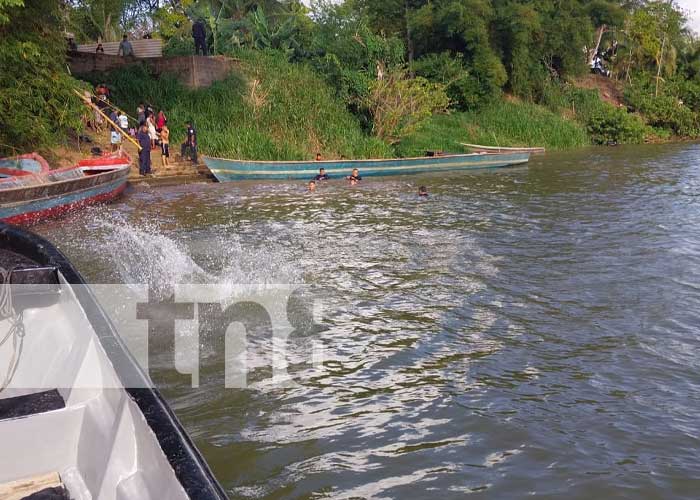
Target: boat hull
{"x": 32, "y": 203}
{"x": 234, "y": 170}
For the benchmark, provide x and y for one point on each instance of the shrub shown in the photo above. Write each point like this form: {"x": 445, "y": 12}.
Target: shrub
{"x": 399, "y": 105}
{"x": 608, "y": 124}
{"x": 667, "y": 111}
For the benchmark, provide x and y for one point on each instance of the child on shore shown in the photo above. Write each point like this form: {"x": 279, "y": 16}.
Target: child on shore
{"x": 165, "y": 144}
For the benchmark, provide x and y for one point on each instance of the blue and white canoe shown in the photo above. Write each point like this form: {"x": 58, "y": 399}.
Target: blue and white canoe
{"x": 235, "y": 170}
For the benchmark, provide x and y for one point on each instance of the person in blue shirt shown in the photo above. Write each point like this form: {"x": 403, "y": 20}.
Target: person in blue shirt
{"x": 322, "y": 175}
{"x": 145, "y": 154}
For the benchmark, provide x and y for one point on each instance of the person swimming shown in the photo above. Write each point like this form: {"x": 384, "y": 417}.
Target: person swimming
{"x": 353, "y": 181}
{"x": 423, "y": 191}
{"x": 312, "y": 186}
{"x": 355, "y": 176}
{"x": 322, "y": 175}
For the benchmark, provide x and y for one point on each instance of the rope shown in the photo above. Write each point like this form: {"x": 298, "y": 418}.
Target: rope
{"x": 16, "y": 331}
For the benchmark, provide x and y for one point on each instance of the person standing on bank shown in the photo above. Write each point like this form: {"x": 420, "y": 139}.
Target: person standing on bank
{"x": 165, "y": 144}
{"x": 190, "y": 144}
{"x": 199, "y": 33}
{"x": 125, "y": 48}
{"x": 145, "y": 153}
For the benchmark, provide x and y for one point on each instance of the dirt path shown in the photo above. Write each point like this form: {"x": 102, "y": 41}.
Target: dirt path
{"x": 609, "y": 90}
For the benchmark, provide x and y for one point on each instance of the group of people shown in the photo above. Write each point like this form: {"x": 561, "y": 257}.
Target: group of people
{"x": 153, "y": 132}
{"x": 353, "y": 179}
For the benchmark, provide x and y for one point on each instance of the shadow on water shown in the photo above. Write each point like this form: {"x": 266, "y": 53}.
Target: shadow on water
{"x": 528, "y": 331}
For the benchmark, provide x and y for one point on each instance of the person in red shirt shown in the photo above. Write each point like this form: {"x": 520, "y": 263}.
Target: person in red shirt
{"x": 161, "y": 120}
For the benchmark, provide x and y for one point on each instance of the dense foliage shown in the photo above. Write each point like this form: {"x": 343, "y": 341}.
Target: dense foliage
{"x": 37, "y": 104}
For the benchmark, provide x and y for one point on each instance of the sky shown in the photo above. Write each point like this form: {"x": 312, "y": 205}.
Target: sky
{"x": 694, "y": 7}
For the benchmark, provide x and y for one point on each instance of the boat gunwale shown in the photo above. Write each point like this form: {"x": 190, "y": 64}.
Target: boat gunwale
{"x": 189, "y": 467}
{"x": 370, "y": 160}
{"x": 117, "y": 168}
{"x": 504, "y": 149}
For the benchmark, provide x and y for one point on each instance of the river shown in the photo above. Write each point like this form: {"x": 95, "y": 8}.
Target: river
{"x": 524, "y": 332}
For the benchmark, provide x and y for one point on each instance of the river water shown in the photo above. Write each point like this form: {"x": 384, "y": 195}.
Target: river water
{"x": 520, "y": 332}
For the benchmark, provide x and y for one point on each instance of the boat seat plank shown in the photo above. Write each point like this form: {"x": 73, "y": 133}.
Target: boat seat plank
{"x": 30, "y": 404}
{"x": 43, "y": 487}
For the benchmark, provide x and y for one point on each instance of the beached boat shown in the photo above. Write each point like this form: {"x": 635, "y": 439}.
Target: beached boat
{"x": 30, "y": 190}
{"x": 78, "y": 417}
{"x": 476, "y": 148}
{"x": 232, "y": 170}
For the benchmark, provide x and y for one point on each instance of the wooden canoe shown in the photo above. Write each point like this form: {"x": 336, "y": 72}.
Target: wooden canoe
{"x": 476, "y": 148}
{"x": 30, "y": 191}
{"x": 226, "y": 170}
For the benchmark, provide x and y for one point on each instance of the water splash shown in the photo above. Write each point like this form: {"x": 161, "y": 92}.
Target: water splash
{"x": 146, "y": 253}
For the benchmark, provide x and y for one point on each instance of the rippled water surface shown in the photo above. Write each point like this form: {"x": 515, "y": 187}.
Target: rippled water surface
{"x": 520, "y": 332}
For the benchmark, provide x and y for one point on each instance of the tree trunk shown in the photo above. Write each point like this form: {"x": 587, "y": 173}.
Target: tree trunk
{"x": 409, "y": 38}
{"x": 592, "y": 53}
{"x": 660, "y": 63}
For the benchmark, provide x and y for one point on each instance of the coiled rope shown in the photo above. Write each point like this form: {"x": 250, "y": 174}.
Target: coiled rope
{"x": 16, "y": 331}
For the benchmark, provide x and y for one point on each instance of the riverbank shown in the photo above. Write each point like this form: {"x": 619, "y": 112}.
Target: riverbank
{"x": 271, "y": 109}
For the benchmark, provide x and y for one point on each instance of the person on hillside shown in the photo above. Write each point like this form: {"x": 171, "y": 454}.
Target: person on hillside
{"x": 318, "y": 157}
{"x": 72, "y": 46}
{"x": 115, "y": 136}
{"x": 322, "y": 175}
{"x": 190, "y": 144}
{"x": 199, "y": 33}
{"x": 123, "y": 122}
{"x": 100, "y": 49}
{"x": 165, "y": 144}
{"x": 161, "y": 120}
{"x": 125, "y": 48}
{"x": 145, "y": 153}
{"x": 151, "y": 123}
{"x": 141, "y": 114}
{"x": 114, "y": 119}
{"x": 116, "y": 141}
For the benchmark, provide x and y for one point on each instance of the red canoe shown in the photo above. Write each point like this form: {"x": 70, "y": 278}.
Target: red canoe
{"x": 31, "y": 191}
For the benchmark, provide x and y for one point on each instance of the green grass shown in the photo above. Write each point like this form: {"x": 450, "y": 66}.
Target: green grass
{"x": 502, "y": 123}
{"x": 292, "y": 114}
